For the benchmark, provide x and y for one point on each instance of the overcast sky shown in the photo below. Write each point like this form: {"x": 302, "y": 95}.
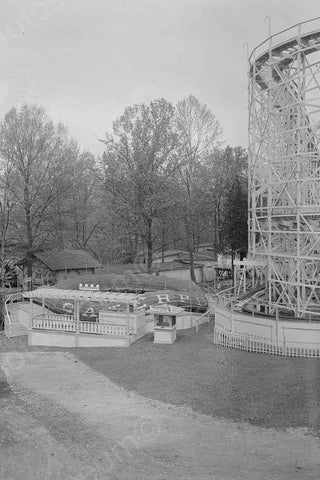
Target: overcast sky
{"x": 86, "y": 60}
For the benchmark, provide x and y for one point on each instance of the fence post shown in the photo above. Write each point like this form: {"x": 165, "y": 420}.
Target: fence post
{"x": 232, "y": 319}
{"x": 30, "y": 313}
{"x": 128, "y": 319}
{"x": 76, "y": 314}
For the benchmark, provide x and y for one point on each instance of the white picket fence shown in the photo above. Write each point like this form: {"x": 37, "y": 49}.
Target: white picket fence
{"x": 256, "y": 344}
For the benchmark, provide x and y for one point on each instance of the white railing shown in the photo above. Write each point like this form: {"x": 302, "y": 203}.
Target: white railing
{"x": 13, "y": 298}
{"x": 257, "y": 344}
{"x": 59, "y": 323}
{"x": 284, "y": 36}
{"x": 102, "y": 328}
{"x": 255, "y": 305}
{"x": 66, "y": 323}
{"x": 207, "y": 315}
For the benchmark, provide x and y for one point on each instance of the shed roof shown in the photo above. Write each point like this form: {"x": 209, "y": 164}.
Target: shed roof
{"x": 169, "y": 266}
{"x": 166, "y": 309}
{"x": 197, "y": 257}
{"x": 66, "y": 259}
{"x": 167, "y": 253}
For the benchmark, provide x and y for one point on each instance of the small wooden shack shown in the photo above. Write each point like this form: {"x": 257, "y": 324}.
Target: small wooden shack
{"x": 51, "y": 266}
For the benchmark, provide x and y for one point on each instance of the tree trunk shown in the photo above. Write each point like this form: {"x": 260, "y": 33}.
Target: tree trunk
{"x": 232, "y": 264}
{"x": 192, "y": 274}
{"x": 215, "y": 241}
{"x": 29, "y": 234}
{"x": 149, "y": 244}
{"x": 3, "y": 276}
{"x": 163, "y": 244}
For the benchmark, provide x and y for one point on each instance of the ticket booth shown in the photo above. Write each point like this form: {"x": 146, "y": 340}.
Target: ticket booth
{"x": 165, "y": 328}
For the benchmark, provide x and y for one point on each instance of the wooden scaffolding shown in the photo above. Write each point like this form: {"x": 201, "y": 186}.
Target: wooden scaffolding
{"x": 284, "y": 165}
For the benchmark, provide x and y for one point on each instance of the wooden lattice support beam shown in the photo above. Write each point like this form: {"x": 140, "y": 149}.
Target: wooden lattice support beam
{"x": 284, "y": 165}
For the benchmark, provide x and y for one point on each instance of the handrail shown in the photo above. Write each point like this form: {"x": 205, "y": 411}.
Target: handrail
{"x": 205, "y": 314}
{"x": 223, "y": 292}
{"x": 66, "y": 323}
{"x": 271, "y": 37}
{"x": 55, "y": 316}
{"x": 230, "y": 302}
{"x": 7, "y": 319}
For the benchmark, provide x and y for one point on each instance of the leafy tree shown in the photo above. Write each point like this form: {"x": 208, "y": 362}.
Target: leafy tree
{"x": 235, "y": 211}
{"x": 223, "y": 168}
{"x": 138, "y": 164}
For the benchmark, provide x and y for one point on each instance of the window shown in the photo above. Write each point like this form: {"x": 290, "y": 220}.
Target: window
{"x": 165, "y": 320}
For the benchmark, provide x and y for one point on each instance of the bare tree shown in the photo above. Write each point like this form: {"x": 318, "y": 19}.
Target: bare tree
{"x": 198, "y": 133}
{"x": 35, "y": 148}
{"x": 85, "y": 213}
{"x": 6, "y": 207}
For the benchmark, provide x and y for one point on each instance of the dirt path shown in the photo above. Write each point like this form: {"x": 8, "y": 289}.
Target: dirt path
{"x": 68, "y": 421}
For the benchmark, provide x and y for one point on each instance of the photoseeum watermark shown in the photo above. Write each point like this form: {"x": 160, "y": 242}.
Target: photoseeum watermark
{"x": 38, "y": 11}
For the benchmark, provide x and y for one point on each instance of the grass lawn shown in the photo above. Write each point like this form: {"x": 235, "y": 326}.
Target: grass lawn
{"x": 261, "y": 389}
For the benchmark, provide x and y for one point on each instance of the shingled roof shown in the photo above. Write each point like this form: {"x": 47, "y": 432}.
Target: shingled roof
{"x": 66, "y": 259}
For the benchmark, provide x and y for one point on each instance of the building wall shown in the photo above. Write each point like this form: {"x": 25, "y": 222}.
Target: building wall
{"x": 167, "y": 258}
{"x": 184, "y": 274}
{"x": 208, "y": 274}
{"x": 41, "y": 273}
{"x": 183, "y": 321}
{"x": 44, "y": 276}
{"x": 64, "y": 274}
{"x": 60, "y": 339}
{"x": 136, "y": 320}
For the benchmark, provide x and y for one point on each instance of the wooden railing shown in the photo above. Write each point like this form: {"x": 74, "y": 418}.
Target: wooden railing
{"x": 256, "y": 304}
{"x": 66, "y": 323}
{"x": 102, "y": 328}
{"x": 207, "y": 315}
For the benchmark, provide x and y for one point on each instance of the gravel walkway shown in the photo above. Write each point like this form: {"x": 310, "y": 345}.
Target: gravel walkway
{"x": 65, "y": 420}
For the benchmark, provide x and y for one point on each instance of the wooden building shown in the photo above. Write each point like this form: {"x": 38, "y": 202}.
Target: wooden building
{"x": 49, "y": 267}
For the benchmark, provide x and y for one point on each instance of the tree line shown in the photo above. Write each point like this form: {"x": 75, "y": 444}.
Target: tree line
{"x": 164, "y": 181}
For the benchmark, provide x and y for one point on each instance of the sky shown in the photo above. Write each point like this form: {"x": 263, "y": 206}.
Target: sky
{"x": 84, "y": 61}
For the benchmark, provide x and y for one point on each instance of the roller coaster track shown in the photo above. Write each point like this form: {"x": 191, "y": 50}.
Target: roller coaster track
{"x": 284, "y": 165}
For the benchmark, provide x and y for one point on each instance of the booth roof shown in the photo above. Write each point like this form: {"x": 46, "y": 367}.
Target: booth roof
{"x": 109, "y": 297}
{"x": 166, "y": 309}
